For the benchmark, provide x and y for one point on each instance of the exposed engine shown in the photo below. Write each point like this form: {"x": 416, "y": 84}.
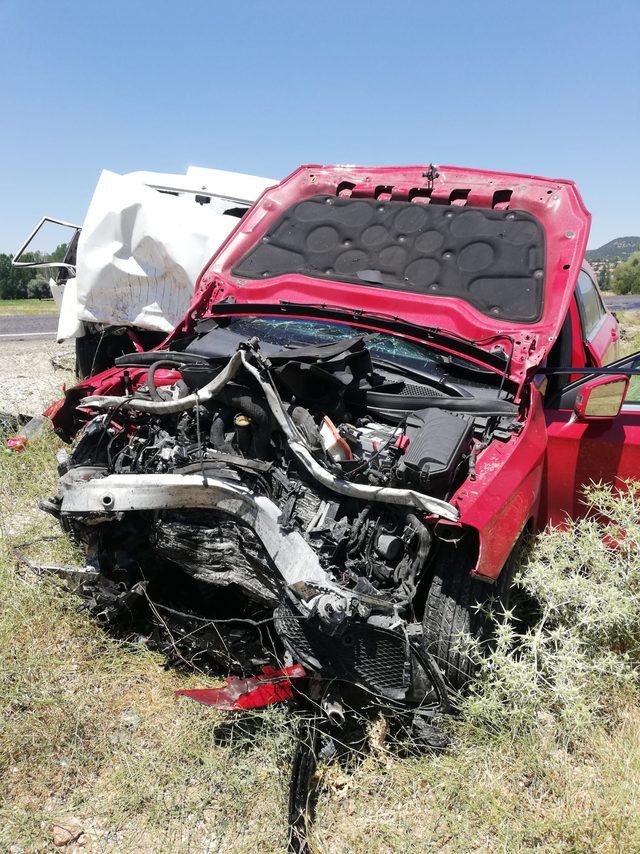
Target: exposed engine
{"x": 274, "y": 503}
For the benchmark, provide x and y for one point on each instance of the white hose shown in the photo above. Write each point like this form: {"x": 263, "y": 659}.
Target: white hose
{"x": 384, "y": 494}
{"x": 365, "y": 492}
{"x": 168, "y": 407}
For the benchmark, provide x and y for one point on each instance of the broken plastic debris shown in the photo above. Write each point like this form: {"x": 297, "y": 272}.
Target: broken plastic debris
{"x": 254, "y": 692}
{"x": 16, "y": 443}
{"x": 30, "y": 428}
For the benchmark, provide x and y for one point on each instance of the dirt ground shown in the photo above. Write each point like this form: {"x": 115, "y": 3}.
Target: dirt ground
{"x": 32, "y": 374}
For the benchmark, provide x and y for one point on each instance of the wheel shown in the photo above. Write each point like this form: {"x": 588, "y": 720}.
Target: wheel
{"x": 451, "y": 611}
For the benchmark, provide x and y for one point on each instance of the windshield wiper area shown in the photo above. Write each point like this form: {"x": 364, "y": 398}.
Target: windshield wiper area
{"x": 374, "y": 320}
{"x": 410, "y": 373}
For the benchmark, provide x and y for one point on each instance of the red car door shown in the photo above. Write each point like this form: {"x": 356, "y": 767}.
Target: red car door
{"x": 600, "y": 331}
{"x": 581, "y": 451}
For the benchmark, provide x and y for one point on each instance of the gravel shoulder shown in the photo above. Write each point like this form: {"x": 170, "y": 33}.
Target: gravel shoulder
{"x": 32, "y": 374}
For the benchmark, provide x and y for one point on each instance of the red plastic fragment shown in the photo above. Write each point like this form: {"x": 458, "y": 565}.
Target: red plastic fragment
{"x": 402, "y": 442}
{"x": 16, "y": 443}
{"x": 254, "y": 692}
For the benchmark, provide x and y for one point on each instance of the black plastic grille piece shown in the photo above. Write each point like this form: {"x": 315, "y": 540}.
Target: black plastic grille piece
{"x": 415, "y": 390}
{"x": 369, "y": 656}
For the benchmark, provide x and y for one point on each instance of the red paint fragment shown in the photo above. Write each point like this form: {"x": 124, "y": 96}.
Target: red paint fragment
{"x": 272, "y": 686}
{"x": 16, "y": 443}
{"x": 402, "y": 442}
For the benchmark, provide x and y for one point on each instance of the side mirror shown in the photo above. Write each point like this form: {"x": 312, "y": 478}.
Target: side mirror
{"x": 601, "y": 397}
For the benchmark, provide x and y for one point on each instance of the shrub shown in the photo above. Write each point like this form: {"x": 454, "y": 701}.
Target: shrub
{"x": 38, "y": 289}
{"x": 583, "y": 646}
{"x": 626, "y": 276}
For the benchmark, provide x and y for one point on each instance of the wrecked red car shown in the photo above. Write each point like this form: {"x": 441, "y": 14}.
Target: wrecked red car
{"x": 386, "y": 377}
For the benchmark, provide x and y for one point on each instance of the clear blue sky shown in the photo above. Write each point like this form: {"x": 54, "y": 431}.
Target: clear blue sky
{"x": 545, "y": 87}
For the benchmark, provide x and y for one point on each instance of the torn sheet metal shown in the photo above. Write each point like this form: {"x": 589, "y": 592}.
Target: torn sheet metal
{"x": 118, "y": 493}
{"x": 141, "y": 249}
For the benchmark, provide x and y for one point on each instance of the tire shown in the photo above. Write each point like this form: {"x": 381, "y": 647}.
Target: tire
{"x": 451, "y": 611}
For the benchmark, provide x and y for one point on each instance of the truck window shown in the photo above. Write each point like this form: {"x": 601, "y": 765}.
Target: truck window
{"x": 590, "y": 305}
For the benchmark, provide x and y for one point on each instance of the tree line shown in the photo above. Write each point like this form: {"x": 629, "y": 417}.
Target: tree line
{"x": 25, "y": 282}
{"x": 625, "y": 279}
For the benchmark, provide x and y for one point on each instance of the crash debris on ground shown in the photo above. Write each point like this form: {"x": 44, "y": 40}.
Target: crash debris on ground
{"x": 318, "y": 479}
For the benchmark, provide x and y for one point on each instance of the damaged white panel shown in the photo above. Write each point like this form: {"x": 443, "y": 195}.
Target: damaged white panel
{"x": 141, "y": 251}
{"x": 65, "y": 297}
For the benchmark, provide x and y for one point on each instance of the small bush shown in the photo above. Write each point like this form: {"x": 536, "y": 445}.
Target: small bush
{"x": 626, "y": 276}
{"x": 38, "y": 289}
{"x": 583, "y": 647}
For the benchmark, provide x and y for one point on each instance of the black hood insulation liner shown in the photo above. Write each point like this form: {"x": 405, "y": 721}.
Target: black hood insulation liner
{"x": 493, "y": 259}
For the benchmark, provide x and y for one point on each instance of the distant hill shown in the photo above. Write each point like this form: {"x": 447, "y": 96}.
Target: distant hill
{"x": 620, "y": 247}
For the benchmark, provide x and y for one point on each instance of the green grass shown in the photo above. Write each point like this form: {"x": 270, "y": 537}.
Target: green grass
{"x": 90, "y": 727}
{"x": 90, "y": 730}
{"x": 11, "y": 307}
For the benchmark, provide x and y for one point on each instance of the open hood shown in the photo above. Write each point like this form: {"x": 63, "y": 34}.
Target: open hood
{"x": 491, "y": 257}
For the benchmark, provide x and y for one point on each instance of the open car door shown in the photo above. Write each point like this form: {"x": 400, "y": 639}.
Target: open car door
{"x": 593, "y": 428}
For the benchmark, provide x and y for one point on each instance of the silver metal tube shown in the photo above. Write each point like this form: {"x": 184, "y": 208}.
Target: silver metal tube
{"x": 384, "y": 494}
{"x": 284, "y": 421}
{"x": 169, "y": 407}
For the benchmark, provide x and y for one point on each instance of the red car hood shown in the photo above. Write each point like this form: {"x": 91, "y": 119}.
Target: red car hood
{"x": 553, "y": 206}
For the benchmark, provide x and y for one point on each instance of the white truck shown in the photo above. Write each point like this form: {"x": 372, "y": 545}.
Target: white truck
{"x": 130, "y": 269}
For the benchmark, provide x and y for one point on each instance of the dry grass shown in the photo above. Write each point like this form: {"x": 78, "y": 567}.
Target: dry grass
{"x": 495, "y": 795}
{"x": 90, "y": 731}
{"x": 90, "y": 728}
{"x": 630, "y": 339}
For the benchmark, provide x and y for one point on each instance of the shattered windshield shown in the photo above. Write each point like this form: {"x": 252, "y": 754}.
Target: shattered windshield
{"x": 294, "y": 332}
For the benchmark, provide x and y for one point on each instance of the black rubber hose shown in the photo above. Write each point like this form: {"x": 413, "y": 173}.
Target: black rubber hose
{"x": 219, "y": 427}
{"x": 247, "y": 403}
{"x": 303, "y": 419}
{"x": 161, "y": 363}
{"x": 259, "y": 413}
{"x": 424, "y": 546}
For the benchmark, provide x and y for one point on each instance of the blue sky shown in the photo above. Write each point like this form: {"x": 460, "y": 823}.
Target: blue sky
{"x": 546, "y": 87}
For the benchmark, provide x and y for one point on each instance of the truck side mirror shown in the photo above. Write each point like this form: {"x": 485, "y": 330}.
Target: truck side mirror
{"x": 601, "y": 397}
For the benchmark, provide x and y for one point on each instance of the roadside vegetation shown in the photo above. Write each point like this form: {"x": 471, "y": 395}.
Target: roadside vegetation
{"x": 544, "y": 755}
{"x": 626, "y": 276}
{"x": 11, "y": 307}
{"x": 630, "y": 338}
{"x": 20, "y": 283}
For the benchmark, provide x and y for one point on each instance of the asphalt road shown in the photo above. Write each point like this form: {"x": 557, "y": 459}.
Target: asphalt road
{"x": 622, "y": 302}
{"x": 24, "y": 327}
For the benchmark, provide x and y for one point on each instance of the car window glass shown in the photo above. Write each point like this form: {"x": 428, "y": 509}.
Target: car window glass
{"x": 300, "y": 333}
{"x": 589, "y": 304}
